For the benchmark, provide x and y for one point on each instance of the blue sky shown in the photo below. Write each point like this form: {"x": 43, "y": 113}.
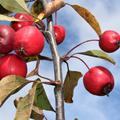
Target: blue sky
{"x": 85, "y": 106}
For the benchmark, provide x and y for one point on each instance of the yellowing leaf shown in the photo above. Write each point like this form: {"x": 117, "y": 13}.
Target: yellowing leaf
{"x": 40, "y": 16}
{"x": 10, "y": 85}
{"x": 36, "y": 114}
{"x": 14, "y": 5}
{"x": 25, "y": 105}
{"x": 7, "y": 18}
{"x": 99, "y": 54}
{"x": 70, "y": 83}
{"x": 89, "y": 18}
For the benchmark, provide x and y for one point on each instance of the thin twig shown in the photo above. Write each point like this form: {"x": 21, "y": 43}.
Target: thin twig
{"x": 44, "y": 77}
{"x": 53, "y": 83}
{"x": 68, "y": 70}
{"x": 45, "y": 117}
{"x": 81, "y": 61}
{"x": 80, "y": 45}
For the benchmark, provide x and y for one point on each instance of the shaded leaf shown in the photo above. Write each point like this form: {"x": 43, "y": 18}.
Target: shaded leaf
{"x": 37, "y": 7}
{"x": 99, "y": 54}
{"x": 7, "y": 18}
{"x": 10, "y": 85}
{"x": 39, "y": 57}
{"x": 37, "y": 114}
{"x": 89, "y": 18}
{"x": 41, "y": 99}
{"x": 14, "y": 5}
{"x": 3, "y": 10}
{"x": 70, "y": 83}
{"x": 25, "y": 105}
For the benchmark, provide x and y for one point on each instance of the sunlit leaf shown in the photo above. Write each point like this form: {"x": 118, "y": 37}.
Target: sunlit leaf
{"x": 7, "y": 18}
{"x": 99, "y": 54}
{"x": 14, "y": 5}
{"x": 89, "y": 18}
{"x": 25, "y": 105}
{"x": 70, "y": 83}
{"x": 41, "y": 99}
{"x": 10, "y": 85}
{"x": 36, "y": 114}
{"x": 40, "y": 16}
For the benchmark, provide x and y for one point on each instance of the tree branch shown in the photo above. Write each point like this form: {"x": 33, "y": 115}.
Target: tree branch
{"x": 57, "y": 69}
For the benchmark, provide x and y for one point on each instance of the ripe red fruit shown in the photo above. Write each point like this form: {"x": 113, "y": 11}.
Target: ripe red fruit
{"x": 98, "y": 81}
{"x": 11, "y": 64}
{"x": 28, "y": 20}
{"x": 28, "y": 41}
{"x": 59, "y": 33}
{"x": 109, "y": 41}
{"x": 6, "y": 39}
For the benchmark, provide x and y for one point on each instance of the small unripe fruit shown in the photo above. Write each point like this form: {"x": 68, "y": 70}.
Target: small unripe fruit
{"x": 98, "y": 81}
{"x": 28, "y": 41}
{"x": 59, "y": 33}
{"x": 12, "y": 64}
{"x": 109, "y": 41}
{"x": 6, "y": 39}
{"x": 27, "y": 20}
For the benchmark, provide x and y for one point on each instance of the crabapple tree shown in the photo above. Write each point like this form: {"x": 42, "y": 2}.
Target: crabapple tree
{"x": 23, "y": 41}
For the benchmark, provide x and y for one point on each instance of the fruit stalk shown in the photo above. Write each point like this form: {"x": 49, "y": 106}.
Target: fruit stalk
{"x": 57, "y": 69}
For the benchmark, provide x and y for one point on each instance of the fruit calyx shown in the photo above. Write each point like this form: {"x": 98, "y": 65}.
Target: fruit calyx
{"x": 107, "y": 89}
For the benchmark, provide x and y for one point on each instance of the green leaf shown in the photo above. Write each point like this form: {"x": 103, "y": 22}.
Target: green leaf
{"x": 14, "y": 5}
{"x": 41, "y": 100}
{"x": 70, "y": 83}
{"x": 37, "y": 7}
{"x": 7, "y": 18}
{"x": 88, "y": 17}
{"x": 25, "y": 105}
{"x": 10, "y": 85}
{"x": 39, "y": 57}
{"x": 99, "y": 54}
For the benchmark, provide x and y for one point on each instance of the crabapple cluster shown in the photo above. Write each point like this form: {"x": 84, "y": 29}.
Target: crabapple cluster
{"x": 25, "y": 39}
{"x": 99, "y": 80}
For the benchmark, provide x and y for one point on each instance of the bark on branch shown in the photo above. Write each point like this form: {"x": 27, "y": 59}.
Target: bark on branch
{"x": 49, "y": 9}
{"x": 52, "y": 7}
